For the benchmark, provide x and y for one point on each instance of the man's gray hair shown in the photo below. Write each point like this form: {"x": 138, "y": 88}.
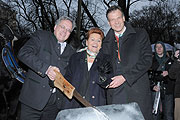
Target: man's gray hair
{"x": 65, "y": 18}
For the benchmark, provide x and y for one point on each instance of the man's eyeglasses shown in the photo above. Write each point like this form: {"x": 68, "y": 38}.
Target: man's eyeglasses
{"x": 63, "y": 27}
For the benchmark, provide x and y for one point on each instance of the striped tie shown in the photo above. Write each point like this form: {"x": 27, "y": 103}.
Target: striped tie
{"x": 118, "y": 40}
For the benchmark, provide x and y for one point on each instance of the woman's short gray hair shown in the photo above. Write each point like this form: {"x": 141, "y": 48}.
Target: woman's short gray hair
{"x": 65, "y": 18}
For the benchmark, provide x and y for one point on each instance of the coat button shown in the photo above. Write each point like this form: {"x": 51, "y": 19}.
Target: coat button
{"x": 93, "y": 97}
{"x": 39, "y": 73}
{"x": 118, "y": 62}
{"x": 93, "y": 82}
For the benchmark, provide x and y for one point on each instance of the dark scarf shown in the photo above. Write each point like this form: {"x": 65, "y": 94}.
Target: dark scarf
{"x": 163, "y": 58}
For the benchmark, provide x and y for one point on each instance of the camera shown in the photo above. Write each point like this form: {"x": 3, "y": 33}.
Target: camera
{"x": 158, "y": 76}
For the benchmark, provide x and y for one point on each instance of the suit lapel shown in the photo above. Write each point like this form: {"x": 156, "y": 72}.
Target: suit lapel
{"x": 83, "y": 61}
{"x": 127, "y": 34}
{"x": 56, "y": 48}
{"x": 55, "y": 45}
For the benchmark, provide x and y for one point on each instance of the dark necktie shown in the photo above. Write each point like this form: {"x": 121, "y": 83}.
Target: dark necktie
{"x": 59, "y": 47}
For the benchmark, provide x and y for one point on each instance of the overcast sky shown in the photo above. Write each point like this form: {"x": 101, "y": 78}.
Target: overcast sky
{"x": 101, "y": 18}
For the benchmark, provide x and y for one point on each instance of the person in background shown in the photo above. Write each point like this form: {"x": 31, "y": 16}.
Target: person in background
{"x": 43, "y": 53}
{"x": 174, "y": 73}
{"x": 160, "y": 66}
{"x": 131, "y": 55}
{"x": 89, "y": 71}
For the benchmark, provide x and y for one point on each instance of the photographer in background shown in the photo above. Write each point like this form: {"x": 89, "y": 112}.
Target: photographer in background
{"x": 174, "y": 72}
{"x": 160, "y": 66}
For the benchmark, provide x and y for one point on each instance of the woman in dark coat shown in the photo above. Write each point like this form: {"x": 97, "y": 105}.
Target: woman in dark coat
{"x": 85, "y": 69}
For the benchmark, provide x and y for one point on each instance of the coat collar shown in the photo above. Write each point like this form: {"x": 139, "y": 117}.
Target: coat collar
{"x": 83, "y": 59}
{"x": 84, "y": 55}
{"x": 54, "y": 41}
{"x": 129, "y": 29}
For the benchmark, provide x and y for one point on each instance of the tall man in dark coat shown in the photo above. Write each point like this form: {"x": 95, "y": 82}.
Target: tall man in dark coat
{"x": 131, "y": 58}
{"x": 44, "y": 53}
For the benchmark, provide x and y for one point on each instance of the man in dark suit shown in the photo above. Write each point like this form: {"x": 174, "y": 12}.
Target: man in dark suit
{"x": 44, "y": 53}
{"x": 131, "y": 55}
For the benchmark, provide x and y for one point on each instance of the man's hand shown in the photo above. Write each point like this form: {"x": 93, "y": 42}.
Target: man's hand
{"x": 117, "y": 81}
{"x": 156, "y": 88}
{"x": 50, "y": 72}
